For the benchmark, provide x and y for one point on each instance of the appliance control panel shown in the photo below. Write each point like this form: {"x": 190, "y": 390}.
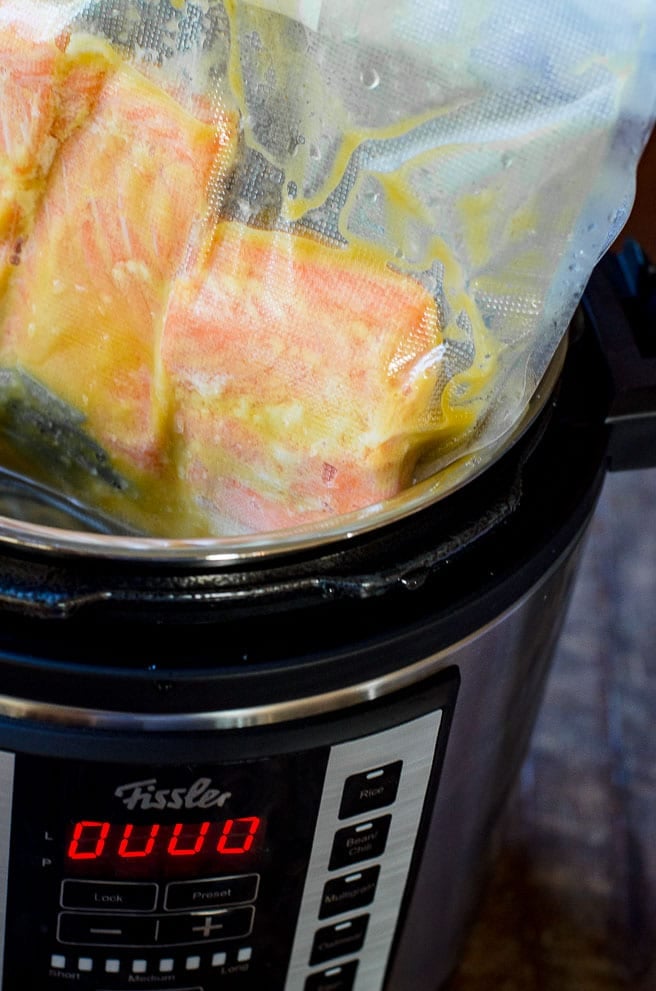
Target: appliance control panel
{"x": 284, "y": 872}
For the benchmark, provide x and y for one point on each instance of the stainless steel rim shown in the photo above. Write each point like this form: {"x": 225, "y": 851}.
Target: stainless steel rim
{"x": 229, "y": 719}
{"x": 222, "y": 719}
{"x": 285, "y": 711}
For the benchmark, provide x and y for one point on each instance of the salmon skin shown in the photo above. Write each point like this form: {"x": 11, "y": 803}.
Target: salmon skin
{"x": 191, "y": 375}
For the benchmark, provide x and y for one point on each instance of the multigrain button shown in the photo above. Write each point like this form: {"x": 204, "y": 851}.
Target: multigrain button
{"x": 364, "y": 841}
{"x": 211, "y": 892}
{"x": 342, "y": 939}
{"x": 373, "y": 789}
{"x": 351, "y": 891}
{"x": 117, "y": 896}
{"x": 339, "y": 978}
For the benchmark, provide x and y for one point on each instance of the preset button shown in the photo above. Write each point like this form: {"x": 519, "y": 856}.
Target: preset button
{"x": 211, "y": 892}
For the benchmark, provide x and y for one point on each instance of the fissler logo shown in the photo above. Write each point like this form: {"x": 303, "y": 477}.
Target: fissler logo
{"x": 146, "y": 795}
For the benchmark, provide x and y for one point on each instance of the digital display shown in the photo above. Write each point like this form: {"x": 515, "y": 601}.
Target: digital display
{"x": 129, "y": 848}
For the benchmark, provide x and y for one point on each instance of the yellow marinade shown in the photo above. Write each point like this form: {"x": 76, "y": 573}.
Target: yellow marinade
{"x": 236, "y": 380}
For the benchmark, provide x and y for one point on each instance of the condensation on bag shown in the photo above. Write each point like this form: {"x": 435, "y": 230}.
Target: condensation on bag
{"x": 264, "y": 264}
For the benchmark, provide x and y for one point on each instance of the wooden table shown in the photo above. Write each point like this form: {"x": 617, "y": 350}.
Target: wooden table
{"x": 571, "y": 905}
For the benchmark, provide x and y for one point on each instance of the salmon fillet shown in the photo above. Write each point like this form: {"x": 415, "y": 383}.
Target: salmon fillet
{"x": 236, "y": 380}
{"x": 115, "y": 220}
{"x": 44, "y": 97}
{"x": 302, "y": 378}
{"x": 27, "y": 146}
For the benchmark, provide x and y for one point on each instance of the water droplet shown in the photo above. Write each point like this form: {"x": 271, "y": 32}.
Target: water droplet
{"x": 372, "y": 195}
{"x": 506, "y": 160}
{"x": 244, "y": 209}
{"x": 292, "y": 190}
{"x": 370, "y": 78}
{"x": 295, "y": 142}
{"x": 315, "y": 153}
{"x": 415, "y": 580}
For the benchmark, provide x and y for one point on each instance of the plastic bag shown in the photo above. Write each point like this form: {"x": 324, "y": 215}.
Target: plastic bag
{"x": 266, "y": 263}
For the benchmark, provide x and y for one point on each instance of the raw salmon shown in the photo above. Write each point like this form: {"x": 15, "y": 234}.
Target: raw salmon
{"x": 27, "y": 146}
{"x": 116, "y": 218}
{"x": 45, "y": 95}
{"x": 302, "y": 378}
{"x": 235, "y": 380}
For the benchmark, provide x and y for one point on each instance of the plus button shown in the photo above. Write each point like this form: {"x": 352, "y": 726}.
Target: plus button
{"x": 209, "y": 927}
{"x": 206, "y": 926}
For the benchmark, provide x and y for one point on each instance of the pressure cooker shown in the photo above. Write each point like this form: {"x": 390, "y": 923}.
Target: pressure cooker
{"x": 281, "y": 765}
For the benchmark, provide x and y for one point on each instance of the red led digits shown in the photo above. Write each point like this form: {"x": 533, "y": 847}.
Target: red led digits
{"x": 233, "y": 829}
{"x": 176, "y": 850}
{"x": 126, "y": 849}
{"x": 88, "y": 840}
{"x": 207, "y": 841}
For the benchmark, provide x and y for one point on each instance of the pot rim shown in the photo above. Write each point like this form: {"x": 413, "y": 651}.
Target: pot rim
{"x": 209, "y": 551}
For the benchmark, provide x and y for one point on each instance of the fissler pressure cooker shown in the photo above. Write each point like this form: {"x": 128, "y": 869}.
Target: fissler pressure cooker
{"x": 280, "y": 767}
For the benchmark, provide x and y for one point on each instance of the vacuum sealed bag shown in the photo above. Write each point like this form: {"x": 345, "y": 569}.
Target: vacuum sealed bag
{"x": 267, "y": 262}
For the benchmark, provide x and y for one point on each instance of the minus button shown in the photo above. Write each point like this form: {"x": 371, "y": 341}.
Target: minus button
{"x": 80, "y": 929}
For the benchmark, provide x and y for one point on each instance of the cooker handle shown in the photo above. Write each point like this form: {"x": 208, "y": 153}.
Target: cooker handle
{"x": 620, "y": 302}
